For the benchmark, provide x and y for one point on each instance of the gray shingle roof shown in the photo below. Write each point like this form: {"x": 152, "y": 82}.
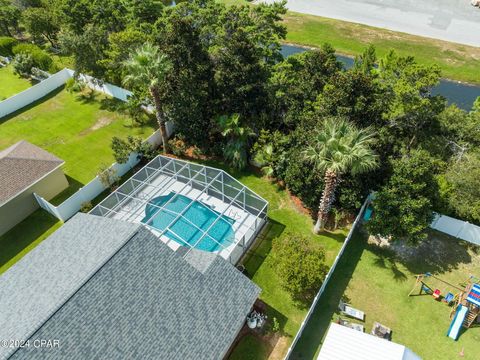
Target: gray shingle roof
{"x": 148, "y": 302}
{"x": 37, "y": 285}
{"x": 21, "y": 165}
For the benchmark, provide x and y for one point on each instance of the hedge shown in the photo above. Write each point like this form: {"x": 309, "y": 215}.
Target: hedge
{"x": 40, "y": 58}
{"x": 6, "y": 45}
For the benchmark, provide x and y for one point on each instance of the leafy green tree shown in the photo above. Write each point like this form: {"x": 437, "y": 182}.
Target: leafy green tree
{"x": 463, "y": 178}
{"x": 235, "y": 151}
{"x": 120, "y": 45}
{"x": 460, "y": 130}
{"x": 188, "y": 91}
{"x": 403, "y": 208}
{"x": 9, "y": 17}
{"x": 352, "y": 94}
{"x": 337, "y": 148}
{"x": 245, "y": 46}
{"x": 296, "y": 83}
{"x": 411, "y": 112}
{"x": 88, "y": 49}
{"x": 300, "y": 266}
{"x": 147, "y": 69}
{"x": 123, "y": 148}
{"x": 143, "y": 11}
{"x": 6, "y": 45}
{"x": 41, "y": 22}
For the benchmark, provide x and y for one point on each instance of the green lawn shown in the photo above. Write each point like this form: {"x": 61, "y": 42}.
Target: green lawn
{"x": 25, "y": 236}
{"x": 458, "y": 62}
{"x": 11, "y": 84}
{"x": 284, "y": 217}
{"x": 76, "y": 127}
{"x": 378, "y": 282}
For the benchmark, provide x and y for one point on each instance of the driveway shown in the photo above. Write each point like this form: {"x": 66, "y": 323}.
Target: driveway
{"x": 450, "y": 20}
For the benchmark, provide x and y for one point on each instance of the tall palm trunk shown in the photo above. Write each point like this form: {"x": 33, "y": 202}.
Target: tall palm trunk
{"x": 328, "y": 195}
{"x": 160, "y": 118}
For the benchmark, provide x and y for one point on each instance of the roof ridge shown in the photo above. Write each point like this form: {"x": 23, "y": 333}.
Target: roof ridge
{"x": 58, "y": 160}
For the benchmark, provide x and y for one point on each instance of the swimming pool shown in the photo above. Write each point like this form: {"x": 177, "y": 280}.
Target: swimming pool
{"x": 182, "y": 231}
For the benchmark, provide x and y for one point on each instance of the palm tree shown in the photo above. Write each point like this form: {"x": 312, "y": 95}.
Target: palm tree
{"x": 148, "y": 68}
{"x": 235, "y": 151}
{"x": 339, "y": 147}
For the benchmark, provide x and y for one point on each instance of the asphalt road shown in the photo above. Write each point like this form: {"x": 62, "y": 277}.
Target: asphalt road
{"x": 450, "y": 20}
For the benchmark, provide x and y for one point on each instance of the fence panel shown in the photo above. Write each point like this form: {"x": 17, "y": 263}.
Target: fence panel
{"x": 327, "y": 278}
{"x": 34, "y": 93}
{"x": 94, "y": 188}
{"x": 457, "y": 228}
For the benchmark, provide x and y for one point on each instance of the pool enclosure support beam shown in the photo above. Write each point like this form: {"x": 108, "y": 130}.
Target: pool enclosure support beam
{"x": 205, "y": 233}
{"x": 144, "y": 202}
{"x": 178, "y": 192}
{"x": 133, "y": 178}
{"x": 183, "y": 211}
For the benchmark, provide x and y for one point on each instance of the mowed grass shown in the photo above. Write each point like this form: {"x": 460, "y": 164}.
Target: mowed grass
{"x": 11, "y": 84}
{"x": 25, "y": 236}
{"x": 378, "y": 282}
{"x": 76, "y": 127}
{"x": 457, "y": 62}
{"x": 284, "y": 217}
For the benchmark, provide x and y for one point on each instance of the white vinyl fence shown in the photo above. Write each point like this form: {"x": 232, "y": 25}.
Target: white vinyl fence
{"x": 94, "y": 188}
{"x": 457, "y": 228}
{"x": 358, "y": 219}
{"x": 90, "y": 191}
{"x": 34, "y": 93}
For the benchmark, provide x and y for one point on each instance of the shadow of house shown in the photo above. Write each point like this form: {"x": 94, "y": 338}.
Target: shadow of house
{"x": 258, "y": 252}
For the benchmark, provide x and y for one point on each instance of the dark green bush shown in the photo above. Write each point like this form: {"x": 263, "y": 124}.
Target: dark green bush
{"x": 303, "y": 181}
{"x": 39, "y": 57}
{"x": 6, "y": 45}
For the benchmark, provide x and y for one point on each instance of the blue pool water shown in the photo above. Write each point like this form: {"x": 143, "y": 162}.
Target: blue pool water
{"x": 198, "y": 213}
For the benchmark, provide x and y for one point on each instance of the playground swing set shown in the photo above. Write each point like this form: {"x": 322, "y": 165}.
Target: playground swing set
{"x": 466, "y": 302}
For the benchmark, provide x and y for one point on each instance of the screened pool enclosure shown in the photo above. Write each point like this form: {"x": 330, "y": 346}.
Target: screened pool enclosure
{"x": 189, "y": 206}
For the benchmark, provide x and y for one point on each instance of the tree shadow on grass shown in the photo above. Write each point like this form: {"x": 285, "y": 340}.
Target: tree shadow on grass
{"x": 24, "y": 234}
{"x": 438, "y": 254}
{"x": 112, "y": 104}
{"x": 386, "y": 259}
{"x": 31, "y": 105}
{"x": 259, "y": 250}
{"x": 327, "y": 306}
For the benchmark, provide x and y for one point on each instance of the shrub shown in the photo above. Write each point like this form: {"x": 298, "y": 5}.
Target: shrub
{"x": 86, "y": 206}
{"x": 108, "y": 176}
{"x": 6, "y": 45}
{"x": 300, "y": 266}
{"x": 303, "y": 181}
{"x": 40, "y": 58}
{"x": 74, "y": 85}
{"x": 123, "y": 148}
{"x": 22, "y": 64}
{"x": 177, "y": 146}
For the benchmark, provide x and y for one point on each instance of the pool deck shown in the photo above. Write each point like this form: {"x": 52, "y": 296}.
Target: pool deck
{"x": 450, "y": 20}
{"x": 134, "y": 211}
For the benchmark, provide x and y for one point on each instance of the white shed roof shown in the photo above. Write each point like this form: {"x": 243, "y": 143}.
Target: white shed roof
{"x": 343, "y": 343}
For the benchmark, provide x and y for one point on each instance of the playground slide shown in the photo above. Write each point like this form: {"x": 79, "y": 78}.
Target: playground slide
{"x": 457, "y": 322}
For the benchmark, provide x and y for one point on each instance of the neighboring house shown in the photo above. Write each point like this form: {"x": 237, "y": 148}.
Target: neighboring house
{"x": 110, "y": 289}
{"x": 25, "y": 169}
{"x": 343, "y": 343}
